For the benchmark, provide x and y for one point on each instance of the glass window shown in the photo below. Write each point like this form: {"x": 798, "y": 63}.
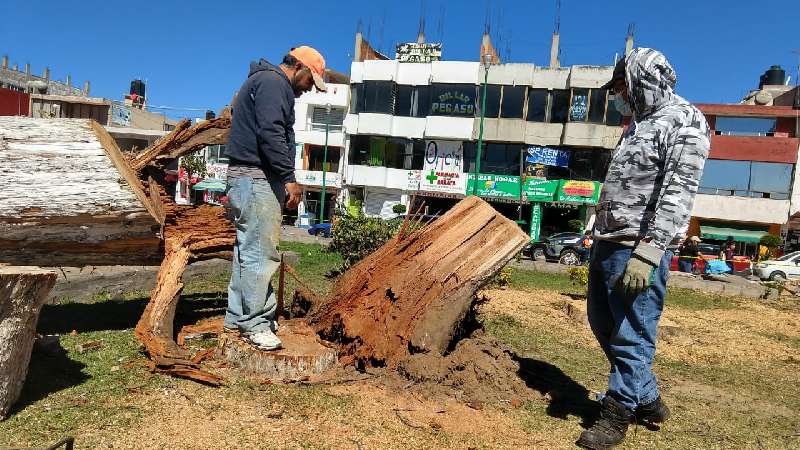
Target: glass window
{"x": 422, "y": 102}
{"x": 418, "y": 155}
{"x": 356, "y": 97}
{"x": 589, "y": 164}
{"x": 396, "y": 152}
{"x": 378, "y": 97}
{"x": 317, "y": 160}
{"x": 579, "y": 106}
{"x": 319, "y": 116}
{"x": 537, "y": 105}
{"x": 469, "y": 155}
{"x": 453, "y": 100}
{"x": 404, "y": 101}
{"x": 513, "y": 101}
{"x": 613, "y": 117}
{"x": 359, "y": 150}
{"x": 772, "y": 178}
{"x": 492, "y": 100}
{"x": 501, "y": 159}
{"x": 745, "y": 126}
{"x": 725, "y": 176}
{"x": 597, "y": 105}
{"x": 377, "y": 151}
{"x": 216, "y": 154}
{"x": 559, "y": 106}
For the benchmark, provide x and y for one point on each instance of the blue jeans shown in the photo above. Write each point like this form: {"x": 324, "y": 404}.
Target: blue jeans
{"x": 624, "y": 327}
{"x": 255, "y": 210}
{"x": 685, "y": 265}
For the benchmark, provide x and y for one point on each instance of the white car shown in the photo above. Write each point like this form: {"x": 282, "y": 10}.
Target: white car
{"x": 787, "y": 266}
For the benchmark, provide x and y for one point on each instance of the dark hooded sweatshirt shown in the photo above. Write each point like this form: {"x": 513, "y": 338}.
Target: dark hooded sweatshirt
{"x": 262, "y": 133}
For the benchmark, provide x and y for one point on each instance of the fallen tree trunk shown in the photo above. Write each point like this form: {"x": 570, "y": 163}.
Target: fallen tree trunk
{"x": 23, "y": 291}
{"x": 413, "y": 294}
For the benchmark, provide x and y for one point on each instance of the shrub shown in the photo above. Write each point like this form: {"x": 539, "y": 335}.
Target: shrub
{"x": 399, "y": 209}
{"x": 356, "y": 236}
{"x": 575, "y": 226}
{"x": 579, "y": 275}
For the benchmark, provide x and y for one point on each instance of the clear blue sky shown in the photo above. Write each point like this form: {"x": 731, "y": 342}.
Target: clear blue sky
{"x": 196, "y": 53}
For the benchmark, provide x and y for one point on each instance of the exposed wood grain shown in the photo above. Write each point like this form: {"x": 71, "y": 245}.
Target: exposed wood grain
{"x": 23, "y": 291}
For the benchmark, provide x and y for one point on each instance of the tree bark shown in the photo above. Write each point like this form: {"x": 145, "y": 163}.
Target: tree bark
{"x": 23, "y": 291}
{"x": 413, "y": 294}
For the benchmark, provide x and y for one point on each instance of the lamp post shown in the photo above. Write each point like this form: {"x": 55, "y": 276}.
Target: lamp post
{"x": 487, "y": 59}
{"x": 324, "y": 163}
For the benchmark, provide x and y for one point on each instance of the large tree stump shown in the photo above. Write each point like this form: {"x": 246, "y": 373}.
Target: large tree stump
{"x": 413, "y": 294}
{"x": 23, "y": 291}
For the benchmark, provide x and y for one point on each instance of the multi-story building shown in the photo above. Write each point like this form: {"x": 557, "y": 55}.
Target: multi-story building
{"x": 547, "y": 136}
{"x": 750, "y": 185}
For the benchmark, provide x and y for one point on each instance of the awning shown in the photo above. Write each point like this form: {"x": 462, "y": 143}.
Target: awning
{"x": 210, "y": 185}
{"x": 722, "y": 233}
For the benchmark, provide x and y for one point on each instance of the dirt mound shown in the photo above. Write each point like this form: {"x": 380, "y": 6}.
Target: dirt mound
{"x": 479, "y": 369}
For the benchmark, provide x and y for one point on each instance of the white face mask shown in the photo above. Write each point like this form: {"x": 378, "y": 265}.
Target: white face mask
{"x": 622, "y": 106}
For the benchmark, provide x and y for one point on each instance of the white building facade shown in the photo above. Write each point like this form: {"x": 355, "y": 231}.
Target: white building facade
{"x": 412, "y": 131}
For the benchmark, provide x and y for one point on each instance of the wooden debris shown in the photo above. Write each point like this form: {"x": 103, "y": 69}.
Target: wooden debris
{"x": 412, "y": 295}
{"x": 90, "y": 346}
{"x": 184, "y": 139}
{"x": 23, "y": 291}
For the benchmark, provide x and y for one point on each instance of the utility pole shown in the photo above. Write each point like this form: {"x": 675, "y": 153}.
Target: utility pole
{"x": 487, "y": 59}
{"x": 324, "y": 163}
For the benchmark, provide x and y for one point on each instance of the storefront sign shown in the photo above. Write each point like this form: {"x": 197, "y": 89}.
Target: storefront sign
{"x": 501, "y": 186}
{"x": 314, "y": 178}
{"x": 217, "y": 171}
{"x": 120, "y": 115}
{"x": 547, "y": 156}
{"x": 579, "y": 108}
{"x": 453, "y": 103}
{"x": 418, "y": 53}
{"x": 414, "y": 177}
{"x": 540, "y": 189}
{"x": 443, "y": 168}
{"x": 536, "y": 221}
{"x": 572, "y": 191}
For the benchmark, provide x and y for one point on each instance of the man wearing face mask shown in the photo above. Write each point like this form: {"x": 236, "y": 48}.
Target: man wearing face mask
{"x": 646, "y": 201}
{"x": 261, "y": 149}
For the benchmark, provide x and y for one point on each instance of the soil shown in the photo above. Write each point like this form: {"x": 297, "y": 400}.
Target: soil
{"x": 480, "y": 369}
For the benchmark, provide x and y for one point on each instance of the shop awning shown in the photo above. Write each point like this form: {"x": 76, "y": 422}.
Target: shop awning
{"x": 210, "y": 185}
{"x": 721, "y": 233}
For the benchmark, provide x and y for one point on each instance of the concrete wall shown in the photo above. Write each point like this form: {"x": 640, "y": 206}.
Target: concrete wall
{"x": 378, "y": 177}
{"x": 741, "y": 209}
{"x": 590, "y": 76}
{"x": 591, "y": 135}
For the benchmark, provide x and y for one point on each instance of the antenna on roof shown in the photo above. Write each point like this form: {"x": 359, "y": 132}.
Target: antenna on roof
{"x": 557, "y": 25}
{"x": 440, "y": 24}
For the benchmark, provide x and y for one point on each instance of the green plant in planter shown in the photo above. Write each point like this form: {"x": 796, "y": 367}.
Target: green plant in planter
{"x": 399, "y": 209}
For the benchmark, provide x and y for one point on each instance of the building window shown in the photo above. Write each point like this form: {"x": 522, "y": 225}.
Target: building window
{"x": 492, "y": 100}
{"x": 496, "y": 158}
{"x": 356, "y": 97}
{"x": 747, "y": 179}
{"x": 317, "y": 160}
{"x": 319, "y": 116}
{"x": 453, "y": 100}
{"x": 745, "y": 126}
{"x": 422, "y": 101}
{"x": 579, "y": 105}
{"x": 613, "y": 117}
{"x": 513, "y": 102}
{"x": 378, "y": 97}
{"x": 404, "y": 102}
{"x": 560, "y": 106}
{"x": 537, "y": 105}
{"x": 216, "y": 154}
{"x": 359, "y": 150}
{"x": 597, "y": 105}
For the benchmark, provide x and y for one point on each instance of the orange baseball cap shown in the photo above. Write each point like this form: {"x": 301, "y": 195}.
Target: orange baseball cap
{"x": 312, "y": 59}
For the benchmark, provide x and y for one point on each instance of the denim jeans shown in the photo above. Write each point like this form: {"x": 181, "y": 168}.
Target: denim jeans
{"x": 624, "y": 327}
{"x": 255, "y": 210}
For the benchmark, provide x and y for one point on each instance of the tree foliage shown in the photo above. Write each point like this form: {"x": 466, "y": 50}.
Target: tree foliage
{"x": 355, "y": 236}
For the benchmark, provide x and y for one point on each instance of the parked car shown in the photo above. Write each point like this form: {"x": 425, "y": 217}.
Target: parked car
{"x": 561, "y": 247}
{"x": 785, "y": 267}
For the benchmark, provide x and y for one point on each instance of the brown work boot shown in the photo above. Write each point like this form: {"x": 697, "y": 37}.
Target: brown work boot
{"x": 610, "y": 429}
{"x": 653, "y": 412}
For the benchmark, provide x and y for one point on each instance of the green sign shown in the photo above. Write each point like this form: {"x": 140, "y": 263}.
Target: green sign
{"x": 506, "y": 186}
{"x": 540, "y": 189}
{"x": 536, "y": 220}
{"x": 573, "y": 191}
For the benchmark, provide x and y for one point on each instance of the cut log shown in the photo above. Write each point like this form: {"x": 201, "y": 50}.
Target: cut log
{"x": 413, "y": 294}
{"x": 303, "y": 353}
{"x": 23, "y": 291}
{"x": 71, "y": 199}
{"x": 184, "y": 139}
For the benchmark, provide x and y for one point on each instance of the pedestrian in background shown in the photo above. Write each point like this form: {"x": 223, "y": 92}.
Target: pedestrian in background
{"x": 688, "y": 254}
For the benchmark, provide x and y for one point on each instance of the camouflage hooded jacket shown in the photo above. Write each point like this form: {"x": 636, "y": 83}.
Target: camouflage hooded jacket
{"x": 655, "y": 171}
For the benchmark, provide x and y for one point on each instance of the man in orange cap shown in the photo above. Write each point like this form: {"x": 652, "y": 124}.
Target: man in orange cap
{"x": 261, "y": 150}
